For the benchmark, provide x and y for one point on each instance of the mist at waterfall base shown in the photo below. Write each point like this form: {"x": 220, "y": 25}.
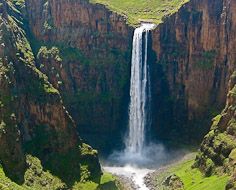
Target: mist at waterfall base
{"x": 135, "y": 166}
{"x": 139, "y": 157}
{"x": 153, "y": 156}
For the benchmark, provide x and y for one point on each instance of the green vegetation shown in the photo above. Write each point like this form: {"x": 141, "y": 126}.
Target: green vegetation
{"x": 68, "y": 167}
{"x": 225, "y": 142}
{"x": 36, "y": 178}
{"x": 206, "y": 60}
{"x": 45, "y": 53}
{"x": 41, "y": 141}
{"x": 6, "y": 183}
{"x": 139, "y": 10}
{"x": 232, "y": 155}
{"x": 20, "y": 4}
{"x": 86, "y": 149}
{"x": 36, "y": 88}
{"x": 192, "y": 178}
{"x": 24, "y": 51}
{"x": 73, "y": 54}
{"x": 107, "y": 182}
{"x": 47, "y": 168}
{"x": 216, "y": 121}
{"x": 233, "y": 91}
{"x": 75, "y": 166}
{"x": 232, "y": 127}
{"x": 58, "y": 52}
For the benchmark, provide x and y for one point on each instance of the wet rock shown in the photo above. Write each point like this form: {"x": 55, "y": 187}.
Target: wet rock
{"x": 173, "y": 182}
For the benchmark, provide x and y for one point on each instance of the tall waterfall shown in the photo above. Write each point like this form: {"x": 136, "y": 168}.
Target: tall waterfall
{"x": 140, "y": 95}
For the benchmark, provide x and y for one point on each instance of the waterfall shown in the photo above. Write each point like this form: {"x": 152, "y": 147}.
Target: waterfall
{"x": 138, "y": 159}
{"x": 140, "y": 94}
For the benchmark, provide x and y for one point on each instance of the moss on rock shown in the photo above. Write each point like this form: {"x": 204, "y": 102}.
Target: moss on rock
{"x": 33, "y": 119}
{"x": 218, "y": 149}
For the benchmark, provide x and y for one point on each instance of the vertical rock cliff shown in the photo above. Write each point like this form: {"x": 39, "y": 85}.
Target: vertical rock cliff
{"x": 89, "y": 63}
{"x": 196, "y": 54}
{"x": 33, "y": 119}
{"x": 218, "y": 149}
{"x": 84, "y": 49}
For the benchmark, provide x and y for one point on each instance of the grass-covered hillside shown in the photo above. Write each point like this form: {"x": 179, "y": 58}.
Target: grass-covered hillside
{"x": 37, "y": 178}
{"x": 183, "y": 176}
{"x": 138, "y": 10}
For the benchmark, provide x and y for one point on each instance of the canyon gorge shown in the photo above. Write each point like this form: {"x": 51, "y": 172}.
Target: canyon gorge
{"x": 66, "y": 81}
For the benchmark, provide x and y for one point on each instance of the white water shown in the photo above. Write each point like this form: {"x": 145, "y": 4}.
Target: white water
{"x": 133, "y": 173}
{"x": 139, "y": 91}
{"x": 139, "y": 158}
{"x": 132, "y": 162}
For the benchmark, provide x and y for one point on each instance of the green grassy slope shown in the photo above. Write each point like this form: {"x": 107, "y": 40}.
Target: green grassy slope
{"x": 36, "y": 178}
{"x": 136, "y": 10}
{"x": 192, "y": 179}
{"x": 6, "y": 183}
{"x": 107, "y": 182}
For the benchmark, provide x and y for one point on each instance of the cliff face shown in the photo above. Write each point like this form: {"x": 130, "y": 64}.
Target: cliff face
{"x": 218, "y": 149}
{"x": 77, "y": 23}
{"x": 92, "y": 72}
{"x": 32, "y": 116}
{"x": 196, "y": 51}
{"x": 193, "y": 56}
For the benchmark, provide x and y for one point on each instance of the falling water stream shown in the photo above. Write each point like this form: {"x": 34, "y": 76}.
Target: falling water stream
{"x": 140, "y": 94}
{"x": 140, "y": 156}
{"x": 139, "y": 109}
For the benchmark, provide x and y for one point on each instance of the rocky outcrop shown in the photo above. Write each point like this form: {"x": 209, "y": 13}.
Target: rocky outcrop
{"x": 92, "y": 73}
{"x": 10, "y": 141}
{"x": 78, "y": 23}
{"x": 195, "y": 50}
{"x": 217, "y": 152}
{"x": 32, "y": 116}
{"x": 173, "y": 182}
{"x": 11, "y": 154}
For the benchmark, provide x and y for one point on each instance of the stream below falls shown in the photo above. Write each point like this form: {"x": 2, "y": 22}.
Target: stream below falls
{"x": 134, "y": 174}
{"x": 133, "y": 167}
